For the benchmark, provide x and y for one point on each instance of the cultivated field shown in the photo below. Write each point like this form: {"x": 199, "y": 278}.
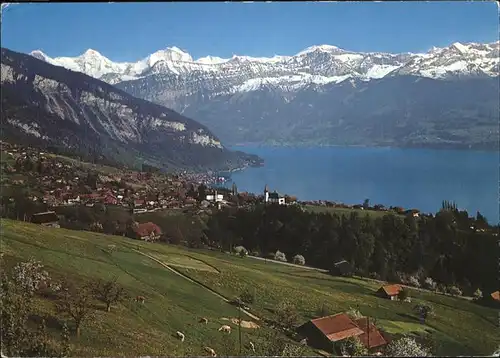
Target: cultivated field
{"x": 175, "y": 303}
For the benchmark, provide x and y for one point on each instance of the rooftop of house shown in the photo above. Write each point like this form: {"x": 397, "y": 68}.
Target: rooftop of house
{"x": 45, "y": 217}
{"x": 374, "y": 335}
{"x": 342, "y": 262}
{"x": 337, "y": 327}
{"x": 392, "y": 290}
{"x": 146, "y": 229}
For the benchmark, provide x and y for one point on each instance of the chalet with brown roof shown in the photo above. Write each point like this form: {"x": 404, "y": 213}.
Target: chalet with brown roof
{"x": 389, "y": 291}
{"x": 146, "y": 231}
{"x": 495, "y": 295}
{"x": 342, "y": 268}
{"x": 48, "y": 218}
{"x": 325, "y": 331}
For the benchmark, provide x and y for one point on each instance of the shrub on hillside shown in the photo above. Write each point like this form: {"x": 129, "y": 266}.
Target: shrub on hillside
{"x": 430, "y": 284}
{"x": 247, "y": 296}
{"x": 287, "y": 314}
{"x": 413, "y": 281}
{"x": 273, "y": 344}
{"x": 280, "y": 256}
{"x": 354, "y": 313}
{"x": 423, "y": 311}
{"x": 240, "y": 250}
{"x": 299, "y": 260}
{"x": 454, "y": 291}
{"x": 96, "y": 226}
{"x": 406, "y": 347}
{"x": 30, "y": 276}
{"x": 353, "y": 347}
{"x": 478, "y": 294}
{"x": 441, "y": 288}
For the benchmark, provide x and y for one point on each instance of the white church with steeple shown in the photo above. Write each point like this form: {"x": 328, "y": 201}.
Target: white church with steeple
{"x": 274, "y": 197}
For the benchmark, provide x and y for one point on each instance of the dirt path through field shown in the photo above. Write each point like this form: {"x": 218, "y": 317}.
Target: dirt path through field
{"x": 196, "y": 283}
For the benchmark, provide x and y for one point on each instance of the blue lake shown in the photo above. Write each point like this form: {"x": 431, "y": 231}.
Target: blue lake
{"x": 411, "y": 178}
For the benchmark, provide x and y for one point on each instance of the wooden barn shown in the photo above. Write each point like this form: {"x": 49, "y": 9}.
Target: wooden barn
{"x": 147, "y": 231}
{"x": 47, "y": 218}
{"x": 389, "y": 291}
{"x": 342, "y": 268}
{"x": 326, "y": 333}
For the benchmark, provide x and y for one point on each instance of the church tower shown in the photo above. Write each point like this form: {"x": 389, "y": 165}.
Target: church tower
{"x": 266, "y": 194}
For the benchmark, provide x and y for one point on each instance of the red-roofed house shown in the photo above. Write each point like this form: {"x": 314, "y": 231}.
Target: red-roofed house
{"x": 325, "y": 332}
{"x": 146, "y": 231}
{"x": 389, "y": 291}
{"x": 495, "y": 296}
{"x": 109, "y": 199}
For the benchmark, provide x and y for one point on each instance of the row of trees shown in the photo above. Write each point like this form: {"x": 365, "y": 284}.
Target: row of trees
{"x": 443, "y": 247}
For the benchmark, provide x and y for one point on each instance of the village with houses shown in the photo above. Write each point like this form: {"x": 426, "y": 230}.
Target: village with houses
{"x": 52, "y": 182}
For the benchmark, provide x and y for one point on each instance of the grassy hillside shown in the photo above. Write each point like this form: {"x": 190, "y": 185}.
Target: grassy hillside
{"x": 174, "y": 303}
{"x": 459, "y": 327}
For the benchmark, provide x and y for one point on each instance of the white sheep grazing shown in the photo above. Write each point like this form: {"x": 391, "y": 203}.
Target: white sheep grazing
{"x": 252, "y": 346}
{"x": 211, "y": 351}
{"x": 225, "y": 328}
{"x": 180, "y": 335}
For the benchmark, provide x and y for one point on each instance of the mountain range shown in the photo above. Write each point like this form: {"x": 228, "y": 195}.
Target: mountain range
{"x": 50, "y": 106}
{"x": 323, "y": 95}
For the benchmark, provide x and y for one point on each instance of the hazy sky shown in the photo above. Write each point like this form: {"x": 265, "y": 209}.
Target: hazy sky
{"x": 131, "y": 31}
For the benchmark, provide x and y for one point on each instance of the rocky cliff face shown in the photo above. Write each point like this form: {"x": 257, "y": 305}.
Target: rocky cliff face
{"x": 48, "y": 105}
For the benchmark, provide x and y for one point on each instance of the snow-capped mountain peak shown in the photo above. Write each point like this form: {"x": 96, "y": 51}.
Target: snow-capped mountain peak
{"x": 211, "y": 60}
{"x": 326, "y": 61}
{"x": 91, "y": 53}
{"x": 172, "y": 54}
{"x": 320, "y": 48}
{"x": 460, "y": 47}
{"x": 40, "y": 55}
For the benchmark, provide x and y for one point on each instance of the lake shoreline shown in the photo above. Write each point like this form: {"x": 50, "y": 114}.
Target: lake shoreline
{"x": 306, "y": 145}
